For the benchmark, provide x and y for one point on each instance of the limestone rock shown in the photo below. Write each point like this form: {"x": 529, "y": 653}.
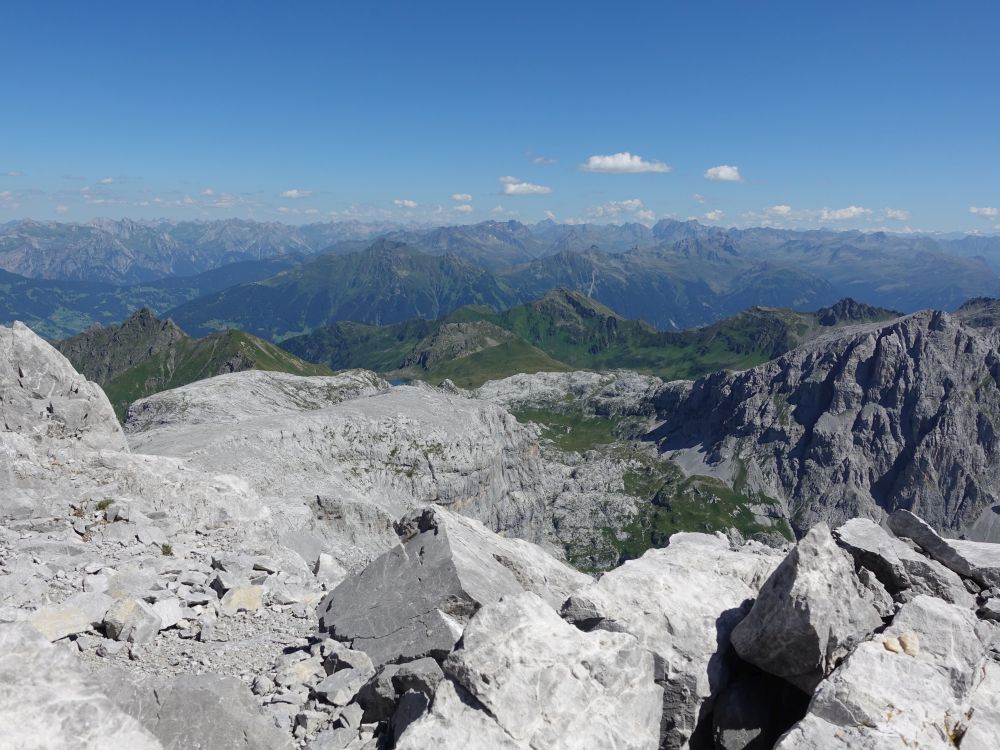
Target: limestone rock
{"x": 415, "y": 599}
{"x": 58, "y": 621}
{"x": 43, "y": 397}
{"x": 897, "y": 565}
{"x": 543, "y": 684}
{"x": 195, "y": 711}
{"x": 808, "y": 615}
{"x": 681, "y": 602}
{"x": 879, "y": 698}
{"x": 242, "y": 599}
{"x": 234, "y": 397}
{"x": 131, "y": 620}
{"x": 48, "y": 701}
{"x": 860, "y": 421}
{"x": 976, "y": 560}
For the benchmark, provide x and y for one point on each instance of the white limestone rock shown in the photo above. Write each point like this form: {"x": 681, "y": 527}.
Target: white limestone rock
{"x": 44, "y": 399}
{"x": 537, "y": 682}
{"x": 57, "y": 621}
{"x": 131, "y": 620}
{"x": 885, "y": 698}
{"x": 809, "y": 614}
{"x": 613, "y": 393}
{"x": 234, "y": 397}
{"x": 979, "y": 561}
{"x": 48, "y": 700}
{"x": 897, "y": 565}
{"x": 682, "y": 603}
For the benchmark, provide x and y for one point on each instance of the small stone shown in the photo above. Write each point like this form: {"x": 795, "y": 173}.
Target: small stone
{"x": 910, "y": 643}
{"x": 892, "y": 644}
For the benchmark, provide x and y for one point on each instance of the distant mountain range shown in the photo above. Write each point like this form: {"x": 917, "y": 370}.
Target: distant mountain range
{"x": 144, "y": 355}
{"x": 278, "y": 281}
{"x": 564, "y": 330}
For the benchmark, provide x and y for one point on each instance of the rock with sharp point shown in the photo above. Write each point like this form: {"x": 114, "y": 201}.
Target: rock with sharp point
{"x": 414, "y": 600}
{"x": 809, "y": 614}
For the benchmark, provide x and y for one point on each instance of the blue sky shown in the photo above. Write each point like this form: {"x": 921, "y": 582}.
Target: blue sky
{"x": 847, "y": 114}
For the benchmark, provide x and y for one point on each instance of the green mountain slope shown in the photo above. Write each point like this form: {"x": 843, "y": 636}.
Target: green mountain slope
{"x": 387, "y": 283}
{"x": 188, "y": 360}
{"x": 145, "y": 355}
{"x": 566, "y": 330}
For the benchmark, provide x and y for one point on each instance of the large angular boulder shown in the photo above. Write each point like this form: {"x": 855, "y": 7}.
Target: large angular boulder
{"x": 979, "y": 561}
{"x": 682, "y": 603}
{"x": 414, "y": 600}
{"x": 544, "y": 683}
{"x": 48, "y": 700}
{"x": 897, "y": 565}
{"x": 44, "y": 398}
{"x": 195, "y": 711}
{"x": 809, "y": 614}
{"x": 909, "y": 687}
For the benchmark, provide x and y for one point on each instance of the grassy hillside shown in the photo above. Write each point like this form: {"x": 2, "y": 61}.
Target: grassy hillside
{"x": 566, "y": 330}
{"x": 188, "y": 360}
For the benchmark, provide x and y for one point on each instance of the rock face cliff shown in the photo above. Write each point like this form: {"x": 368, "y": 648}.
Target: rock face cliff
{"x": 861, "y": 422}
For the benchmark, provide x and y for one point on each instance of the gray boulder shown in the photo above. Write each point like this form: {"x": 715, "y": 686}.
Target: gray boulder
{"x": 195, "y": 711}
{"x": 414, "y": 600}
{"x": 682, "y": 603}
{"x": 48, "y": 700}
{"x": 897, "y": 565}
{"x": 909, "y": 687}
{"x": 131, "y": 620}
{"x": 534, "y": 681}
{"x": 809, "y": 615}
{"x": 979, "y": 561}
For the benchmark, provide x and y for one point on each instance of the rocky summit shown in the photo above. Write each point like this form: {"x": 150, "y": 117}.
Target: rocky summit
{"x": 263, "y": 560}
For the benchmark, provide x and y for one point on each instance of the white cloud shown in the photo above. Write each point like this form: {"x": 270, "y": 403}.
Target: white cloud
{"x": 896, "y": 214}
{"x": 60, "y": 209}
{"x": 14, "y": 173}
{"x": 724, "y": 173}
{"x": 514, "y": 186}
{"x": 843, "y": 214}
{"x": 106, "y": 180}
{"x": 622, "y": 163}
{"x": 208, "y": 191}
{"x": 465, "y": 208}
{"x": 632, "y": 209}
{"x": 461, "y": 197}
{"x": 540, "y": 159}
{"x": 296, "y": 193}
{"x": 698, "y": 198}
{"x": 550, "y": 216}
{"x": 780, "y": 210}
{"x": 985, "y": 212}
{"x": 405, "y": 203}
{"x": 311, "y": 211}
{"x": 714, "y": 215}
{"x": 615, "y": 208}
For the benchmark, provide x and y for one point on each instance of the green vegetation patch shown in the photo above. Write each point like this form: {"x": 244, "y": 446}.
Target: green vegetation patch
{"x": 570, "y": 431}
